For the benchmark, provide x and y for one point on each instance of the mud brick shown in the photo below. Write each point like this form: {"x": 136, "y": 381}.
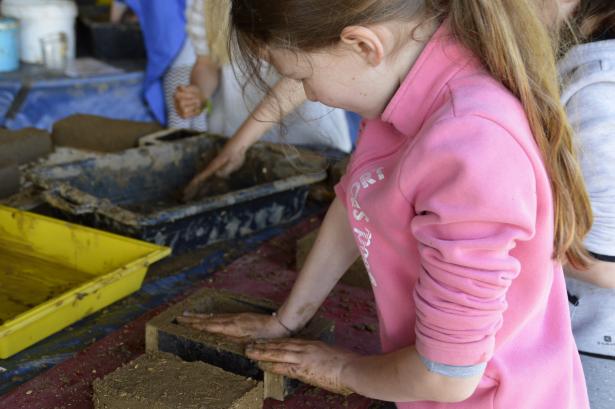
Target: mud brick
{"x": 163, "y": 381}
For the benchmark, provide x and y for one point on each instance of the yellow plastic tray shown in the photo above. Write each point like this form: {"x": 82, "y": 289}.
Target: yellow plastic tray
{"x": 54, "y": 273}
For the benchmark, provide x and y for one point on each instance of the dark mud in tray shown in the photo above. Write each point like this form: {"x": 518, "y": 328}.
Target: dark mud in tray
{"x": 251, "y": 174}
{"x": 261, "y": 167}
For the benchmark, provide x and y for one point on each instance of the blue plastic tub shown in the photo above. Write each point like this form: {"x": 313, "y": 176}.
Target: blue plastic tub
{"x": 135, "y": 193}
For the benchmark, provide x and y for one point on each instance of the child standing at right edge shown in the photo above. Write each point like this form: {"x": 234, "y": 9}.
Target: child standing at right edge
{"x": 463, "y": 197}
{"x": 588, "y": 75}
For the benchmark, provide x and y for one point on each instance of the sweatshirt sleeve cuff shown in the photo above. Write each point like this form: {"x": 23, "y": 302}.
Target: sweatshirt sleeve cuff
{"x": 454, "y": 371}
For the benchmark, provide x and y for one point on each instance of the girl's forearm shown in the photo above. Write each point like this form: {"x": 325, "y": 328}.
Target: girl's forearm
{"x": 251, "y": 131}
{"x": 284, "y": 98}
{"x": 332, "y": 254}
{"x": 401, "y": 376}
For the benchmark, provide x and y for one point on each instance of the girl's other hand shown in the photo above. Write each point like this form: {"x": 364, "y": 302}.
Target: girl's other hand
{"x": 188, "y": 101}
{"x": 311, "y": 362}
{"x": 240, "y": 326}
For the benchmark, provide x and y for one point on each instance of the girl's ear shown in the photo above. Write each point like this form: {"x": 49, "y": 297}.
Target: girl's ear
{"x": 365, "y": 43}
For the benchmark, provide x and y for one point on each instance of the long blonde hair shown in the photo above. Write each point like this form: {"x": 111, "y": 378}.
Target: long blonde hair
{"x": 507, "y": 35}
{"x": 217, "y": 26}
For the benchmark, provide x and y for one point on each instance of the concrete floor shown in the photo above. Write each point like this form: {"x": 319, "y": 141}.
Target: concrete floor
{"x": 600, "y": 377}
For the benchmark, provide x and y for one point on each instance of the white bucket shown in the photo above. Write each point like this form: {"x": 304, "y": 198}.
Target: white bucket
{"x": 40, "y": 19}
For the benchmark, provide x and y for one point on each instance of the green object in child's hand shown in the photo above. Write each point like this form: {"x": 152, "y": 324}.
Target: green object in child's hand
{"x": 208, "y": 106}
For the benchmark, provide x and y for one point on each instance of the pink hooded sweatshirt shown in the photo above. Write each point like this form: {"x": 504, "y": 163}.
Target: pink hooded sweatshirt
{"x": 452, "y": 209}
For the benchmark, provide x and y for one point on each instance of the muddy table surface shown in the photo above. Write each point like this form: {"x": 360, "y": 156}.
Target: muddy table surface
{"x": 266, "y": 272}
{"x": 165, "y": 282}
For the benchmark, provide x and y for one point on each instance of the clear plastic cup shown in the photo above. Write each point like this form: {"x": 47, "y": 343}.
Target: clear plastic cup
{"x": 55, "y": 51}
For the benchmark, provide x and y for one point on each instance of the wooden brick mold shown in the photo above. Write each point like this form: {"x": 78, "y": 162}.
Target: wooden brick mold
{"x": 165, "y": 334}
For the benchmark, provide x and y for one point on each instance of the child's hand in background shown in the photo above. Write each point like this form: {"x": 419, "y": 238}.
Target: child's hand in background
{"x": 228, "y": 161}
{"x": 189, "y": 101}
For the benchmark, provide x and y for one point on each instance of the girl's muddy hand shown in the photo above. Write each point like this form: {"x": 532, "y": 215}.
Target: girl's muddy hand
{"x": 244, "y": 326}
{"x": 311, "y": 362}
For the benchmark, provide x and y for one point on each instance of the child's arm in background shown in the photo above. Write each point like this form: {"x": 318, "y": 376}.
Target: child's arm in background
{"x": 205, "y": 76}
{"x": 284, "y": 98}
{"x": 332, "y": 254}
{"x": 600, "y": 273}
{"x": 190, "y": 100}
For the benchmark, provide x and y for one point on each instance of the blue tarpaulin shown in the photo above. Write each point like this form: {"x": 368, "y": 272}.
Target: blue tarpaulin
{"x": 29, "y": 102}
